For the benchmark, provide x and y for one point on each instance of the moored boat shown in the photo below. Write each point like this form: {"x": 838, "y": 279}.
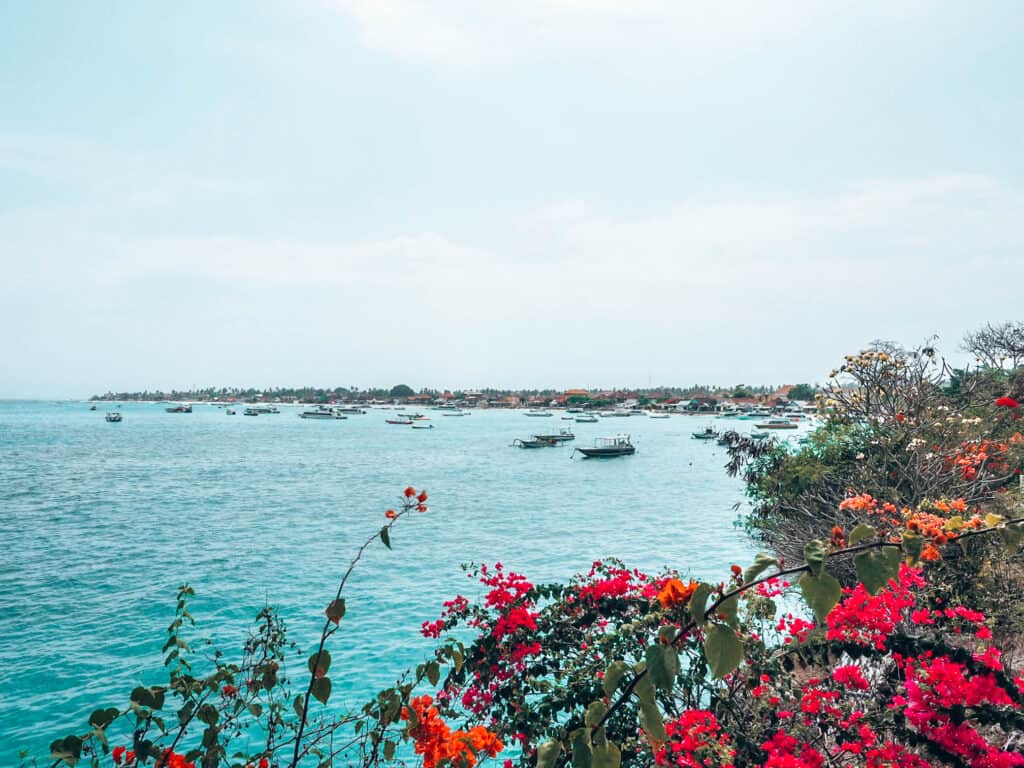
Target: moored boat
{"x": 114, "y": 417}
{"x": 179, "y": 409}
{"x": 709, "y": 433}
{"x": 534, "y": 443}
{"x": 587, "y": 418}
{"x": 405, "y": 422}
{"x": 230, "y": 411}
{"x": 422, "y": 426}
{"x": 322, "y": 413}
{"x": 777, "y": 424}
{"x": 562, "y": 436}
{"x": 608, "y": 447}
{"x": 538, "y": 413}
{"x": 659, "y": 416}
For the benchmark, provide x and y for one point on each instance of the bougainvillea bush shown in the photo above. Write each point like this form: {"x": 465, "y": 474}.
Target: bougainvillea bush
{"x": 776, "y": 665}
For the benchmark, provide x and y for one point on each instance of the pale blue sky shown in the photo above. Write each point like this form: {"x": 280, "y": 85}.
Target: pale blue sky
{"x": 466, "y": 193}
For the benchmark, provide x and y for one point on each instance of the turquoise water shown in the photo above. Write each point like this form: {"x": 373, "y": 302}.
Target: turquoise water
{"x": 101, "y": 522}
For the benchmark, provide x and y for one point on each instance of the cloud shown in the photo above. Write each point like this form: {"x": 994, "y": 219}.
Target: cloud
{"x": 465, "y": 33}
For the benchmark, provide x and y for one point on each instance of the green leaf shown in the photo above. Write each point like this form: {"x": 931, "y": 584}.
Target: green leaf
{"x": 613, "y": 677}
{"x": 433, "y": 673}
{"x": 595, "y": 711}
{"x": 861, "y": 532}
{"x": 68, "y": 749}
{"x": 319, "y": 664}
{"x": 322, "y": 689}
{"x": 815, "y": 554}
{"x": 652, "y": 722}
{"x": 723, "y": 649}
{"x": 913, "y": 543}
{"x": 728, "y": 610}
{"x": 698, "y": 601}
{"x": 644, "y": 688}
{"x": 101, "y": 718}
{"x": 877, "y": 566}
{"x": 336, "y": 610}
{"x": 607, "y": 756}
{"x": 582, "y": 756}
{"x": 821, "y": 593}
{"x": 256, "y": 709}
{"x": 662, "y": 665}
{"x": 1012, "y": 535}
{"x": 389, "y": 749}
{"x": 208, "y": 714}
{"x": 385, "y": 537}
{"x": 761, "y": 563}
{"x": 547, "y": 753}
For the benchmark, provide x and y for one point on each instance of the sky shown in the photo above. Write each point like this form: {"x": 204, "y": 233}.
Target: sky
{"x": 462, "y": 194}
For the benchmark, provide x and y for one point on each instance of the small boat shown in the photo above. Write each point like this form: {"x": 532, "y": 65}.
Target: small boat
{"x": 709, "y": 433}
{"x": 422, "y": 426}
{"x": 777, "y": 424}
{"x": 419, "y": 417}
{"x": 352, "y": 411}
{"x": 574, "y": 410}
{"x": 449, "y": 412}
{"x": 586, "y": 419}
{"x": 322, "y": 413}
{"x": 568, "y": 418}
{"x": 179, "y": 409}
{"x": 92, "y": 407}
{"x": 659, "y": 416}
{"x": 608, "y": 447}
{"x": 230, "y": 411}
{"x": 250, "y": 412}
{"x": 114, "y": 417}
{"x": 564, "y": 435}
{"x": 404, "y": 422}
{"x": 263, "y": 409}
{"x": 637, "y": 412}
{"x": 539, "y": 413}
{"x": 535, "y": 443}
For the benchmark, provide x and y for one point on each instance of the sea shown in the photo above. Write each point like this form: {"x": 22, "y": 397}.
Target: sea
{"x": 101, "y": 522}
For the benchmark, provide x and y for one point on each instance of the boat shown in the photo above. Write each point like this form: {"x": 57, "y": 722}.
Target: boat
{"x": 758, "y": 435}
{"x": 637, "y": 412}
{"x": 587, "y": 418}
{"x": 322, "y": 413}
{"x": 619, "y": 412}
{"x": 538, "y": 413}
{"x": 250, "y": 412}
{"x": 709, "y": 433}
{"x": 535, "y": 443}
{"x": 608, "y": 447}
{"x": 568, "y": 418}
{"x": 659, "y": 416}
{"x": 404, "y": 422}
{"x": 564, "y": 435}
{"x": 352, "y": 411}
{"x": 92, "y": 407}
{"x": 114, "y": 417}
{"x": 419, "y": 417}
{"x": 230, "y": 411}
{"x": 179, "y": 409}
{"x": 259, "y": 409}
{"x": 422, "y": 426}
{"x": 449, "y": 412}
{"x": 574, "y": 410}
{"x": 777, "y": 424}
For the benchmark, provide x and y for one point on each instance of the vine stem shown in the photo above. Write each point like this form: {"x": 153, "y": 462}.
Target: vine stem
{"x": 804, "y": 567}
{"x": 407, "y": 505}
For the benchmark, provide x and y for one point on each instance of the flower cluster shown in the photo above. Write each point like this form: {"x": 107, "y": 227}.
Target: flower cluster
{"x": 439, "y": 745}
{"x": 696, "y": 740}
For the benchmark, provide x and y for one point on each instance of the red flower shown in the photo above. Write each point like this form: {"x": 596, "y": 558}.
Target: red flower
{"x": 391, "y": 514}
{"x": 117, "y": 754}
{"x": 410, "y": 492}
{"x": 422, "y": 497}
{"x": 900, "y": 417}
{"x": 1007, "y": 402}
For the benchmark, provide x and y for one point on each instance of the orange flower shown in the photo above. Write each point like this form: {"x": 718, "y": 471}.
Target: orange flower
{"x": 674, "y": 593}
{"x": 410, "y": 492}
{"x": 930, "y": 553}
{"x": 422, "y": 497}
{"x": 391, "y": 514}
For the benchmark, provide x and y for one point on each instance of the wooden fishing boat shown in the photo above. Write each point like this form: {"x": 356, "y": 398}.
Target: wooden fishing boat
{"x": 564, "y": 435}
{"x": 709, "y": 433}
{"x": 535, "y": 443}
{"x": 608, "y": 447}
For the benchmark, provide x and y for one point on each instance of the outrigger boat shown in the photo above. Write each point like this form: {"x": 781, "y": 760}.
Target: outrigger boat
{"x": 406, "y": 422}
{"x": 114, "y": 417}
{"x": 322, "y": 413}
{"x": 179, "y": 409}
{"x": 535, "y": 443}
{"x": 422, "y": 426}
{"x": 588, "y": 418}
{"x": 709, "y": 433}
{"x": 607, "y": 447}
{"x": 542, "y": 414}
{"x": 564, "y": 435}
